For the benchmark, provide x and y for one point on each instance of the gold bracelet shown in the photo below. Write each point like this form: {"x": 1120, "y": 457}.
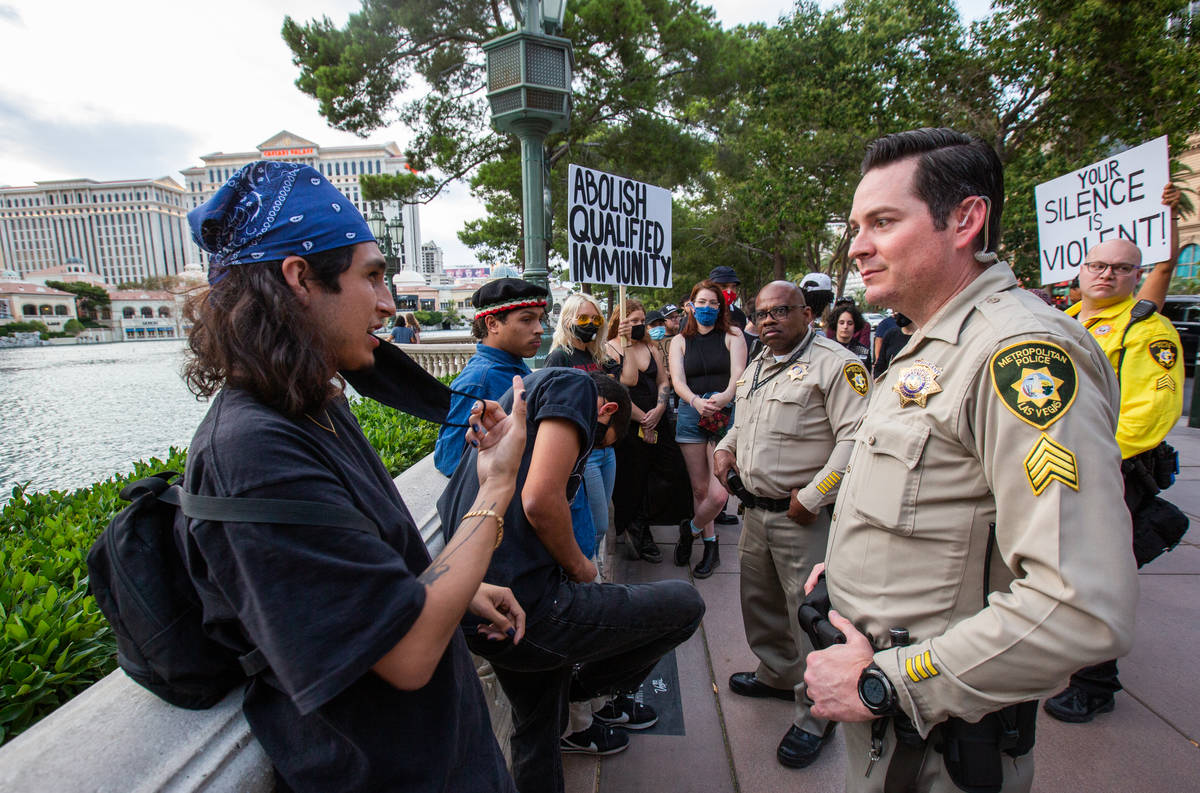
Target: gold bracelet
{"x": 486, "y": 513}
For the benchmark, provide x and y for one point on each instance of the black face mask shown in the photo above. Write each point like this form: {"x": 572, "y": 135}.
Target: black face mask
{"x": 399, "y": 382}
{"x": 637, "y": 332}
{"x": 585, "y": 335}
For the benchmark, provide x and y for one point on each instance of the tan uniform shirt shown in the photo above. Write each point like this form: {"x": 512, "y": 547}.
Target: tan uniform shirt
{"x": 797, "y": 429}
{"x": 999, "y": 411}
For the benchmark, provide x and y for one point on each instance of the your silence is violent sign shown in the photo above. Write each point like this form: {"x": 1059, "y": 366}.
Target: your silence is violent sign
{"x": 1116, "y": 198}
{"x": 620, "y": 230}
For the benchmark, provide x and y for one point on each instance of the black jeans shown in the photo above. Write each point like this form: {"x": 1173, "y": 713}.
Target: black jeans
{"x": 635, "y": 460}
{"x": 596, "y": 639}
{"x": 1098, "y": 680}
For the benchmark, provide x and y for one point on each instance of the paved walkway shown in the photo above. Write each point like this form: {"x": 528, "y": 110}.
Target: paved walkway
{"x": 1151, "y": 742}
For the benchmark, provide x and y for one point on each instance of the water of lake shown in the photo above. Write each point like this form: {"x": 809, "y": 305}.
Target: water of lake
{"x": 74, "y": 415}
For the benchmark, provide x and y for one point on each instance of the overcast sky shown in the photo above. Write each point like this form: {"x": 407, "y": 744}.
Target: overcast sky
{"x": 142, "y": 88}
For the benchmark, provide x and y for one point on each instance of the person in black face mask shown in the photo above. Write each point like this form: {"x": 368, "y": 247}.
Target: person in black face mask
{"x": 583, "y": 639}
{"x": 636, "y": 361}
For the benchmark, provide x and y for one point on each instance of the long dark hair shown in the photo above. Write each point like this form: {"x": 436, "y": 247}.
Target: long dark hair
{"x": 722, "y": 324}
{"x": 844, "y": 308}
{"x": 250, "y": 331}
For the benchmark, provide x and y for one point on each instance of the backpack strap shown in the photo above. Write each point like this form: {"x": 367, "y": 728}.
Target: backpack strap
{"x": 267, "y": 510}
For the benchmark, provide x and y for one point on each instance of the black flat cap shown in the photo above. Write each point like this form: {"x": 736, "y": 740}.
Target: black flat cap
{"x": 505, "y": 294}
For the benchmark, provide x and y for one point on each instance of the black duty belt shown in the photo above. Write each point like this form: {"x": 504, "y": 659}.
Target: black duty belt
{"x": 762, "y": 502}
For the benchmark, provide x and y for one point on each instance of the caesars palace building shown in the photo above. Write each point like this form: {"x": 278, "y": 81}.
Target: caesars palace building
{"x": 131, "y": 229}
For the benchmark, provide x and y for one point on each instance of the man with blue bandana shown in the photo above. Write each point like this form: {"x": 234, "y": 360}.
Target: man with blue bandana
{"x": 369, "y": 685}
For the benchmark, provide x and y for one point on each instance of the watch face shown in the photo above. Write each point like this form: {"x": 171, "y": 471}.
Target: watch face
{"x": 873, "y": 691}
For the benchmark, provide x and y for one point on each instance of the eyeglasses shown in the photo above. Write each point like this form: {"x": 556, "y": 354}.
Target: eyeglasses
{"x": 776, "y": 312}
{"x": 1098, "y": 268}
{"x": 585, "y": 322}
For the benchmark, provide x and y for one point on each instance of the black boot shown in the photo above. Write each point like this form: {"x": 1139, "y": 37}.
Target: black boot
{"x": 710, "y": 561}
{"x": 648, "y": 548}
{"x": 683, "y": 549}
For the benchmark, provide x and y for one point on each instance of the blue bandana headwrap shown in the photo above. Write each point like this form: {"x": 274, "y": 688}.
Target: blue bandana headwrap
{"x": 270, "y": 210}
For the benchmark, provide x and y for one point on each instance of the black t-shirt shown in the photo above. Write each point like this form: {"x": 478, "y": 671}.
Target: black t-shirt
{"x": 324, "y": 605}
{"x": 522, "y": 563}
{"x": 893, "y": 343}
{"x": 576, "y": 359}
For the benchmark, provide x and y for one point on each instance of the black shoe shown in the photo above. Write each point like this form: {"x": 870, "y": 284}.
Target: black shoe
{"x": 1076, "y": 706}
{"x": 683, "y": 549}
{"x": 710, "y": 561}
{"x": 648, "y": 548}
{"x": 626, "y": 712}
{"x": 799, "y": 749}
{"x": 599, "y": 739}
{"x": 747, "y": 684}
{"x": 725, "y": 519}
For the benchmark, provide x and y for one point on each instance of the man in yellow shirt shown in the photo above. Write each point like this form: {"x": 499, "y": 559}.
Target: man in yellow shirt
{"x": 1143, "y": 347}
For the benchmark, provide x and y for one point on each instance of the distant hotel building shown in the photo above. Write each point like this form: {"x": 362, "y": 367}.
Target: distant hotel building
{"x": 432, "y": 261}
{"x": 341, "y": 165}
{"x": 124, "y": 230}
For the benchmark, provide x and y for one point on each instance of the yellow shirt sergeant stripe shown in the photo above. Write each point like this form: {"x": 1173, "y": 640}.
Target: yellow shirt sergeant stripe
{"x": 829, "y": 482}
{"x": 920, "y": 667}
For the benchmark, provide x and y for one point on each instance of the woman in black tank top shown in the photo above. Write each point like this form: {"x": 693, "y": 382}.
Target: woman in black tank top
{"x": 706, "y": 360}
{"x": 639, "y": 366}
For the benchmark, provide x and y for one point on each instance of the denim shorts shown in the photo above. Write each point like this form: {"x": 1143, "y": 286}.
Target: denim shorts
{"x": 687, "y": 425}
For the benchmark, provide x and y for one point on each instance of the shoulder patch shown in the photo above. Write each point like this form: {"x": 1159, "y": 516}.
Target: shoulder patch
{"x": 1164, "y": 353}
{"x": 1049, "y": 460}
{"x": 856, "y": 375}
{"x": 1036, "y": 380}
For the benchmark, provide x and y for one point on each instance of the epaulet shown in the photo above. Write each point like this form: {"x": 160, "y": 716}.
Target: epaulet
{"x": 1006, "y": 310}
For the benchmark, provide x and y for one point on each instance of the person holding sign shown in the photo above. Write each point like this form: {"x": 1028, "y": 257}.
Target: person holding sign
{"x": 643, "y": 373}
{"x": 706, "y": 361}
{"x": 979, "y": 548}
{"x": 1143, "y": 347}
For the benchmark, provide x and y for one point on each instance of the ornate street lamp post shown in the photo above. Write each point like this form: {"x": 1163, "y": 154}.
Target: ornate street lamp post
{"x": 529, "y": 90}
{"x": 390, "y": 236}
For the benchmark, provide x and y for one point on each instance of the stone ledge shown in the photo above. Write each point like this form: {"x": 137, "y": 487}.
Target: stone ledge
{"x": 116, "y": 737}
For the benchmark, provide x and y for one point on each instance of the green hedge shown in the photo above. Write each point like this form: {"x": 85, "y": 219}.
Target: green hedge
{"x": 55, "y": 641}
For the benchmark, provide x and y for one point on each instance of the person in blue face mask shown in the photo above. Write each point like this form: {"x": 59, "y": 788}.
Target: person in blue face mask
{"x": 706, "y": 360}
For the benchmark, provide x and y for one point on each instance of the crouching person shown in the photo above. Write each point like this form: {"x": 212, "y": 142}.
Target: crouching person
{"x": 583, "y": 639}
{"x": 369, "y": 685}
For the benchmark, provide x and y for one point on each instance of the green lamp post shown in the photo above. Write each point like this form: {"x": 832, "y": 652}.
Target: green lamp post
{"x": 529, "y": 90}
{"x": 390, "y": 236}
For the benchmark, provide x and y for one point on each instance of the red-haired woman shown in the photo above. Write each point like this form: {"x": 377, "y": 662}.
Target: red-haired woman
{"x": 706, "y": 360}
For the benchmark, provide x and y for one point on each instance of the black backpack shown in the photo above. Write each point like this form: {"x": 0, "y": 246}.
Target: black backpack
{"x": 137, "y": 575}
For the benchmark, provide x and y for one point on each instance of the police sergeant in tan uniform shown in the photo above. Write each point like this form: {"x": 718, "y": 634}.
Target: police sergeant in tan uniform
{"x": 979, "y": 551}
{"x": 798, "y": 405}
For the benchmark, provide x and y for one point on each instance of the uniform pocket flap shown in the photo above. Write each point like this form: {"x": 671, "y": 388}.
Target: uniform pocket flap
{"x": 902, "y": 441}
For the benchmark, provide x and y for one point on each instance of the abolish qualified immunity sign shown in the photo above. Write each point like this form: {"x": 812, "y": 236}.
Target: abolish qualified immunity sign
{"x": 620, "y": 230}
{"x": 1116, "y": 198}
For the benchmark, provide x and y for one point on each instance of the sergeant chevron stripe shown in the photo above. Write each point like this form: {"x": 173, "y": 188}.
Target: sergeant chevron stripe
{"x": 920, "y": 667}
{"x": 1048, "y": 461}
{"x": 829, "y": 482}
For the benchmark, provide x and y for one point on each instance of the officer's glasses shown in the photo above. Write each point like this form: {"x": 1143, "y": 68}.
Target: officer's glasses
{"x": 589, "y": 322}
{"x": 1098, "y": 268}
{"x": 775, "y": 312}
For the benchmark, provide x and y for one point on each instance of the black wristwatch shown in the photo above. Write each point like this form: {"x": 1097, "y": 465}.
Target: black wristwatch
{"x": 876, "y": 691}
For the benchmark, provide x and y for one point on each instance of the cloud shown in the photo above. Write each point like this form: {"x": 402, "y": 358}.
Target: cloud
{"x": 10, "y": 13}
{"x": 96, "y": 148}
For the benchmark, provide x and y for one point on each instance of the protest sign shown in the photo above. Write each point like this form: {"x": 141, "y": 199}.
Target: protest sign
{"x": 1119, "y": 197}
{"x": 620, "y": 230}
